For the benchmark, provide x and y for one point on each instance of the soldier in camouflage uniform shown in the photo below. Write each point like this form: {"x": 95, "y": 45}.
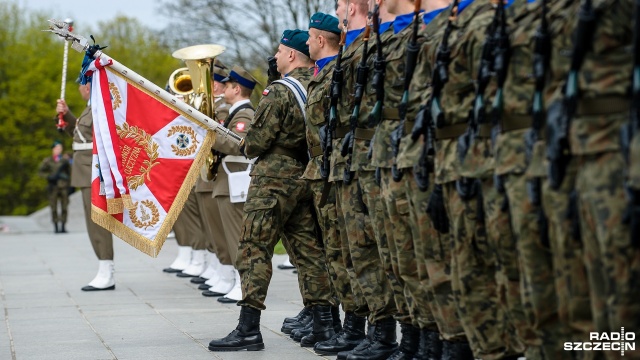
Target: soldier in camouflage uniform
{"x": 362, "y": 242}
{"x": 535, "y": 303}
{"x": 324, "y": 38}
{"x": 280, "y": 203}
{"x": 57, "y": 170}
{"x": 433, "y": 255}
{"x": 395, "y": 204}
{"x": 473, "y": 265}
{"x": 611, "y": 258}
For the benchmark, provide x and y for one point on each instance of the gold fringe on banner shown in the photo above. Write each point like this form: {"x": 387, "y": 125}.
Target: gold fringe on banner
{"x": 114, "y": 206}
{"x": 152, "y": 247}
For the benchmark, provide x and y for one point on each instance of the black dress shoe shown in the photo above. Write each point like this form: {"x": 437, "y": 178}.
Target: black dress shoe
{"x": 226, "y": 300}
{"x": 91, "y": 288}
{"x": 286, "y": 267}
{"x": 183, "y": 275}
{"x": 209, "y": 293}
{"x": 171, "y": 270}
{"x": 204, "y": 287}
{"x": 198, "y": 280}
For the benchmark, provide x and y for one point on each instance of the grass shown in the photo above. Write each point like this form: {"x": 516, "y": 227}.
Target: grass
{"x": 279, "y": 249}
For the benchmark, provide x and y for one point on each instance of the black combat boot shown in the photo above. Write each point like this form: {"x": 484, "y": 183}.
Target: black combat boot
{"x": 323, "y": 326}
{"x": 298, "y": 334}
{"x": 382, "y": 344}
{"x": 288, "y": 320}
{"x": 409, "y": 343}
{"x": 337, "y": 322}
{"x": 456, "y": 351}
{"x": 430, "y": 347}
{"x": 351, "y": 335}
{"x": 364, "y": 343}
{"x": 55, "y": 226}
{"x": 62, "y": 229}
{"x": 304, "y": 320}
{"x": 246, "y": 336}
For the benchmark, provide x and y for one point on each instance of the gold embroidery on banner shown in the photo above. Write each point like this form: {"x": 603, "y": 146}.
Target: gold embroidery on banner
{"x": 115, "y": 94}
{"x": 146, "y": 219}
{"x": 186, "y": 141}
{"x": 129, "y": 155}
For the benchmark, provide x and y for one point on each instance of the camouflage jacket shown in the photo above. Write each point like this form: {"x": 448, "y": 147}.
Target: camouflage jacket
{"x": 509, "y": 149}
{"x": 278, "y": 123}
{"x": 57, "y": 173}
{"x": 360, "y": 160}
{"x": 395, "y": 53}
{"x": 420, "y": 90}
{"x": 317, "y": 112}
{"x": 604, "y": 78}
{"x": 349, "y": 63}
{"x": 466, "y": 41}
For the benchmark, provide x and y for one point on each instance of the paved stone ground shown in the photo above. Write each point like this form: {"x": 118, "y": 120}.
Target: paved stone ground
{"x": 150, "y": 315}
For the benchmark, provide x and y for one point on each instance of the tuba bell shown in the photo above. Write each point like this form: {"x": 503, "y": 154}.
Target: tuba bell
{"x": 199, "y": 60}
{"x": 180, "y": 83}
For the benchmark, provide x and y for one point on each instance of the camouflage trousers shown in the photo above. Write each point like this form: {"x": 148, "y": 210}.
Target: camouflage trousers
{"x": 433, "y": 255}
{"x": 278, "y": 208}
{"x": 403, "y": 259}
{"x": 61, "y": 195}
{"x": 543, "y": 332}
{"x": 337, "y": 252}
{"x": 473, "y": 278}
{"x": 364, "y": 251}
{"x": 612, "y": 262}
{"x": 571, "y": 285}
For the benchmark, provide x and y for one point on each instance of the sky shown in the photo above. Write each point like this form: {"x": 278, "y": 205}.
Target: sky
{"x": 85, "y": 12}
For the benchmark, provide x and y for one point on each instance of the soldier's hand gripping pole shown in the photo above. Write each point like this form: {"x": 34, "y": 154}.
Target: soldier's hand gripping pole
{"x": 68, "y": 26}
{"x": 629, "y": 131}
{"x": 362, "y": 73}
{"x": 410, "y": 66}
{"x": 561, "y": 112}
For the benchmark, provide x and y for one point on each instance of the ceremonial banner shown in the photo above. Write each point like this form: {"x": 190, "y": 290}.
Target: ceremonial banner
{"x": 146, "y": 157}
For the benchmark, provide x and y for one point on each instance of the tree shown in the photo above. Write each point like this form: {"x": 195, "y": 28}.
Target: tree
{"x": 249, "y": 29}
{"x": 30, "y": 69}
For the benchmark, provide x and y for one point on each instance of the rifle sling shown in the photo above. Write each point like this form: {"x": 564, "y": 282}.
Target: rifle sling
{"x": 341, "y": 132}
{"x": 315, "y": 151}
{"x": 391, "y": 114}
{"x": 279, "y": 150}
{"x": 364, "y": 134}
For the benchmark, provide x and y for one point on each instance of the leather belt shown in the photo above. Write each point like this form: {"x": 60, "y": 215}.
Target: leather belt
{"x": 456, "y": 130}
{"x": 82, "y": 146}
{"x": 364, "y": 134}
{"x": 516, "y": 122}
{"x": 603, "y": 106}
{"x": 390, "y": 114}
{"x": 341, "y": 132}
{"x": 315, "y": 151}
{"x": 297, "y": 155}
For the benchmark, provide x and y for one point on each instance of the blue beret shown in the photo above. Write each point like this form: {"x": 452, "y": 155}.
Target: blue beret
{"x": 296, "y": 39}
{"x": 322, "y": 21}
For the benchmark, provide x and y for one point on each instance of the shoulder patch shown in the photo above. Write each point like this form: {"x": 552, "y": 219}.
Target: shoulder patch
{"x": 265, "y": 92}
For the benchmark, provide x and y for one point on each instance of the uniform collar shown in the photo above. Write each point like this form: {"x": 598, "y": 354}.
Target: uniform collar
{"x": 385, "y": 26}
{"x": 402, "y": 21}
{"x": 351, "y": 36}
{"x": 427, "y": 17}
{"x": 463, "y": 4}
{"x": 324, "y": 61}
{"x": 237, "y": 104}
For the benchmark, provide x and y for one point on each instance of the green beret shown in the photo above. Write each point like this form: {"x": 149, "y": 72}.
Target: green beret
{"x": 296, "y": 39}
{"x": 55, "y": 143}
{"x": 322, "y": 21}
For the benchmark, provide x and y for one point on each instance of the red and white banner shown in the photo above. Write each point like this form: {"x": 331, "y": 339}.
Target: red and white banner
{"x": 146, "y": 158}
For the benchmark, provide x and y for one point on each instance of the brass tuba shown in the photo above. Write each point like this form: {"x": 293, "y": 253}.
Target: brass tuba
{"x": 199, "y": 60}
{"x": 180, "y": 83}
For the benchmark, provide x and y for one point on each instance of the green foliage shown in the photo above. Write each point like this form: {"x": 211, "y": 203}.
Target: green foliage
{"x": 30, "y": 76}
